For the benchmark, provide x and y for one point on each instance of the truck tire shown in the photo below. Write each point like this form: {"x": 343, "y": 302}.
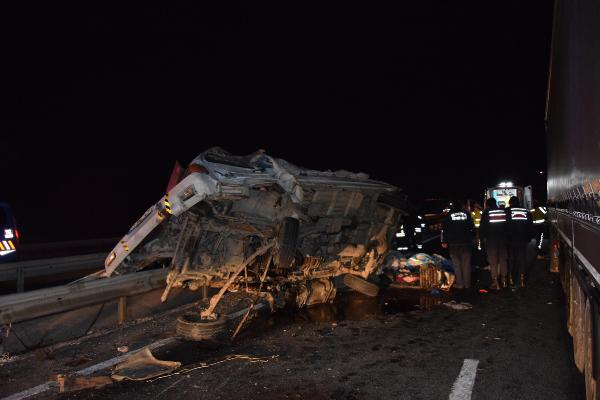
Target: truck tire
{"x": 360, "y": 285}
{"x": 286, "y": 240}
{"x": 590, "y": 381}
{"x": 191, "y": 327}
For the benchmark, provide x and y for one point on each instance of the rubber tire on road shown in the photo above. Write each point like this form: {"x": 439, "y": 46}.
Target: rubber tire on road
{"x": 360, "y": 285}
{"x": 190, "y": 327}
{"x": 286, "y": 240}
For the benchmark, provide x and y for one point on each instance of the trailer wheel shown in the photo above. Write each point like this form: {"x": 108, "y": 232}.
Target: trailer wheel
{"x": 360, "y": 285}
{"x": 590, "y": 382}
{"x": 191, "y": 327}
{"x": 287, "y": 239}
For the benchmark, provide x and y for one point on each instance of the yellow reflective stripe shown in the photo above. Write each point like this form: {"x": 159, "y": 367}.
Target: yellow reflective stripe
{"x": 167, "y": 204}
{"x": 1, "y": 247}
{"x": 12, "y": 246}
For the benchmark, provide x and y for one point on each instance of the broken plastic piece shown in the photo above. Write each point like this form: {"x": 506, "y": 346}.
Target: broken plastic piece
{"x": 143, "y": 365}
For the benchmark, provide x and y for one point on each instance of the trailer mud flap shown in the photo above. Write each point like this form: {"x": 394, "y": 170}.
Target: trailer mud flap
{"x": 596, "y": 334}
{"x": 577, "y": 313}
{"x": 588, "y": 334}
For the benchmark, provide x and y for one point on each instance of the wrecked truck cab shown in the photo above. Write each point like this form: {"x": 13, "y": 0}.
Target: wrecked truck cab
{"x": 263, "y": 225}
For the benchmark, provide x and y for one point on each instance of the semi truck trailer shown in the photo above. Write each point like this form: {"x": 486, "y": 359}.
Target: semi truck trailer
{"x": 573, "y": 179}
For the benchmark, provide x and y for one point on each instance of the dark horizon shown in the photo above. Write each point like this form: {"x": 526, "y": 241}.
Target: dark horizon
{"x": 92, "y": 128}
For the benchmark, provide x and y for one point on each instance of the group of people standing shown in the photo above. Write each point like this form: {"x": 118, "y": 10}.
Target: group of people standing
{"x": 504, "y": 234}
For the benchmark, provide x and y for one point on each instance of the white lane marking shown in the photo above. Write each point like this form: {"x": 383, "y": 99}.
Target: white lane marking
{"x": 114, "y": 361}
{"x": 463, "y": 385}
{"x": 30, "y": 392}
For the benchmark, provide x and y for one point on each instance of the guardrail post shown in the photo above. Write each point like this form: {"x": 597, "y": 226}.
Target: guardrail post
{"x": 122, "y": 310}
{"x": 20, "y": 280}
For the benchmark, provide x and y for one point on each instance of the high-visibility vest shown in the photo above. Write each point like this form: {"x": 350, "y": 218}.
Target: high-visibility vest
{"x": 538, "y": 215}
{"x": 497, "y": 216}
{"x": 518, "y": 214}
{"x": 476, "y": 216}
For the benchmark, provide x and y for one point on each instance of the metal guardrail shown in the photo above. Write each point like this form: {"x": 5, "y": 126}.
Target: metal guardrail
{"x": 37, "y": 303}
{"x": 72, "y": 244}
{"x": 20, "y": 270}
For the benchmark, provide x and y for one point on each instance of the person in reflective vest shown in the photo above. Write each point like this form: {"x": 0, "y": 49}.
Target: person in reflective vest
{"x": 520, "y": 232}
{"x": 477, "y": 256}
{"x": 457, "y": 235}
{"x": 476, "y": 215}
{"x": 538, "y": 214}
{"x": 493, "y": 232}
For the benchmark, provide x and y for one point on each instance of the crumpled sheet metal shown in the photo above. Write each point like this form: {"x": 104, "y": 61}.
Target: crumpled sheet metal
{"x": 143, "y": 365}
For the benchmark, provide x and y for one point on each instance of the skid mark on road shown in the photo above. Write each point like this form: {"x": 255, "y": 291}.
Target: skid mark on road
{"x": 463, "y": 385}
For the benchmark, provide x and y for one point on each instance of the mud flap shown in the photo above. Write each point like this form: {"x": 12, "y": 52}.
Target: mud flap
{"x": 588, "y": 333}
{"x": 578, "y": 333}
{"x": 596, "y": 334}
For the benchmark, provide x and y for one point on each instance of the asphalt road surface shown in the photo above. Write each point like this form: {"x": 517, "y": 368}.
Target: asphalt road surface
{"x": 510, "y": 345}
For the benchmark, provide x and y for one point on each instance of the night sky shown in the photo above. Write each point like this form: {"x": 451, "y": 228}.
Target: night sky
{"x": 440, "y": 98}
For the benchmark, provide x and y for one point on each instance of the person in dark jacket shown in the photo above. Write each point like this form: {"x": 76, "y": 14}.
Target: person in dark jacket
{"x": 494, "y": 234}
{"x": 520, "y": 232}
{"x": 457, "y": 235}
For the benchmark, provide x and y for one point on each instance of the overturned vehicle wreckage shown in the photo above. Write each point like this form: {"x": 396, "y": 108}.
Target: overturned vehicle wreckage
{"x": 262, "y": 225}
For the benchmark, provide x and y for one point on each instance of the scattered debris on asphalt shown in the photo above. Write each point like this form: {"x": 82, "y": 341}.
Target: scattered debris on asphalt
{"x": 492, "y": 338}
{"x": 422, "y": 271}
{"x": 122, "y": 349}
{"x": 232, "y": 357}
{"x": 458, "y": 306}
{"x": 74, "y": 362}
{"x": 5, "y": 358}
{"x": 142, "y": 366}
